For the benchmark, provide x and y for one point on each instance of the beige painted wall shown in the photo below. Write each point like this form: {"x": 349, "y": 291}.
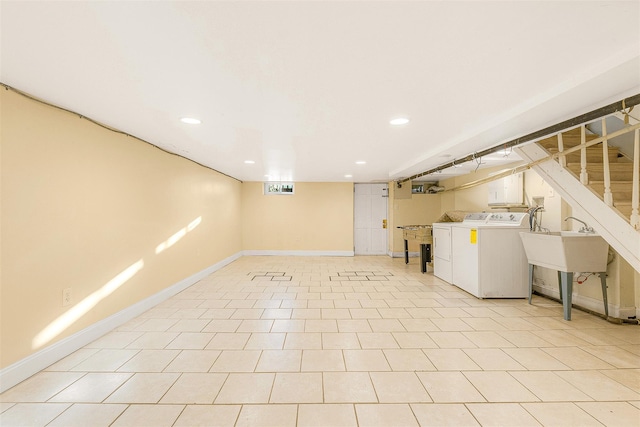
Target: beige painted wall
{"x": 410, "y": 209}
{"x": 317, "y": 217}
{"x": 83, "y": 206}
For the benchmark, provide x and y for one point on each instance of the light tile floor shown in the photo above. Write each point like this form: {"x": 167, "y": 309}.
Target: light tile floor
{"x": 362, "y": 341}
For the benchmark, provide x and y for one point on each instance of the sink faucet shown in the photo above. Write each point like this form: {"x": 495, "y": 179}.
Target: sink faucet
{"x": 585, "y": 228}
{"x": 533, "y": 221}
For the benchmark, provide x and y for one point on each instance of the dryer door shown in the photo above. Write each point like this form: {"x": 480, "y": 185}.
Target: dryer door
{"x": 442, "y": 252}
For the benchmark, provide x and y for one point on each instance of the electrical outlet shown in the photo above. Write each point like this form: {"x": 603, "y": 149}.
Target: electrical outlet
{"x": 66, "y": 297}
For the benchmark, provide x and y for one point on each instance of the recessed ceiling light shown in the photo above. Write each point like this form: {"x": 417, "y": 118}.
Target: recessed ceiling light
{"x": 399, "y": 121}
{"x": 361, "y": 162}
{"x": 190, "y": 121}
{"x": 249, "y": 162}
{"x": 348, "y": 176}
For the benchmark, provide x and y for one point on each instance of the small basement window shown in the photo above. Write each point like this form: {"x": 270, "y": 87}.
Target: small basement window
{"x": 278, "y": 188}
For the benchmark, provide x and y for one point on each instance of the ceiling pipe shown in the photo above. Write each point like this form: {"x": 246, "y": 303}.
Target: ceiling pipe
{"x": 558, "y": 127}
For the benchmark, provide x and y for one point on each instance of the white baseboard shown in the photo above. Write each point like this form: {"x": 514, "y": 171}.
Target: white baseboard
{"x": 626, "y": 313}
{"x": 595, "y": 305}
{"x": 30, "y": 365}
{"x": 296, "y": 253}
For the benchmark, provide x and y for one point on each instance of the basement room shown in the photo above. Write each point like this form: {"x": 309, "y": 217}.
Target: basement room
{"x": 319, "y": 213}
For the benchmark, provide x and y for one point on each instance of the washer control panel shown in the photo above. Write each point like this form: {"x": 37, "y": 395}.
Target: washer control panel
{"x": 508, "y": 218}
{"x": 480, "y": 217}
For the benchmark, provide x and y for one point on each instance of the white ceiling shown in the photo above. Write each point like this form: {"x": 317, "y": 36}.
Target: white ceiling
{"x": 306, "y": 89}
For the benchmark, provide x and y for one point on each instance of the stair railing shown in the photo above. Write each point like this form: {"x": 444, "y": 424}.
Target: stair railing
{"x": 584, "y": 177}
{"x": 583, "y": 146}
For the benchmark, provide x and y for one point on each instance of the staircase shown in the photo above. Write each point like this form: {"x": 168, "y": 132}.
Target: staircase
{"x": 581, "y": 178}
{"x": 620, "y": 167}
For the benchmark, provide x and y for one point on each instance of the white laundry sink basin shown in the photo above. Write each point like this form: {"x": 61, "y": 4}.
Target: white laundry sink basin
{"x": 567, "y": 251}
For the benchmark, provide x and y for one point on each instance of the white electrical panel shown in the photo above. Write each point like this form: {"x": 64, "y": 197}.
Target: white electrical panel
{"x": 507, "y": 191}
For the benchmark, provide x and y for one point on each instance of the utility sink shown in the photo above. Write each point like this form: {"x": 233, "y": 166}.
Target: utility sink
{"x": 567, "y": 251}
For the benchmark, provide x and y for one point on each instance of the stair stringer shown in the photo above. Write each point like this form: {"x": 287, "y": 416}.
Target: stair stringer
{"x": 613, "y": 228}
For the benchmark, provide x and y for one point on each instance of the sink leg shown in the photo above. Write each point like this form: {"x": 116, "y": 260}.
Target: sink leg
{"x": 603, "y": 282}
{"x": 406, "y": 251}
{"x": 530, "y": 282}
{"x": 560, "y": 285}
{"x": 566, "y": 279}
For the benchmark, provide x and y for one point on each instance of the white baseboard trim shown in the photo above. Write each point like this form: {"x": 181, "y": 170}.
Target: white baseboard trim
{"x": 626, "y": 313}
{"x": 296, "y": 253}
{"x": 34, "y": 363}
{"x": 595, "y": 305}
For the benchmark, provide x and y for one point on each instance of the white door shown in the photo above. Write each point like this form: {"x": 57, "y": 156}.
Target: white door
{"x": 370, "y": 217}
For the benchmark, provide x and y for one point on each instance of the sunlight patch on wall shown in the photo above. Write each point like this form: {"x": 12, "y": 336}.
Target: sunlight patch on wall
{"x": 56, "y": 327}
{"x": 178, "y": 235}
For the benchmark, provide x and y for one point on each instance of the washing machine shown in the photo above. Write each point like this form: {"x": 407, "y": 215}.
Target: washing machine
{"x": 487, "y": 256}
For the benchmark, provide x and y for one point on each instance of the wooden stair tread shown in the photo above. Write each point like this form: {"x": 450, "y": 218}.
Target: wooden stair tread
{"x": 592, "y": 155}
{"x": 625, "y": 211}
{"x": 620, "y": 195}
{"x": 593, "y": 148}
{"x": 567, "y": 140}
{"x": 613, "y": 154}
{"x": 617, "y": 171}
{"x": 599, "y": 166}
{"x": 618, "y": 182}
{"x": 577, "y": 132}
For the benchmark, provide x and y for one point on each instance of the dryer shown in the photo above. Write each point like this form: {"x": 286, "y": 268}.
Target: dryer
{"x": 442, "y": 247}
{"x": 487, "y": 256}
{"x": 442, "y": 264}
